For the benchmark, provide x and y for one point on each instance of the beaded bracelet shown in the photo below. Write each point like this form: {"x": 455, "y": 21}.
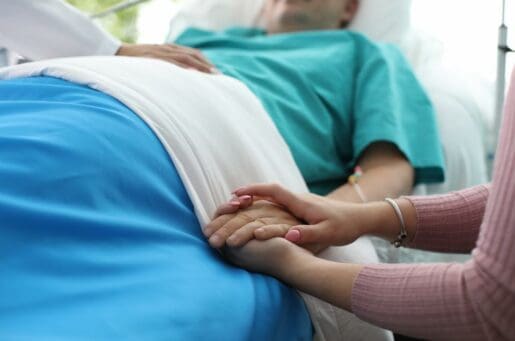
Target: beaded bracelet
{"x": 353, "y": 180}
{"x": 403, "y": 234}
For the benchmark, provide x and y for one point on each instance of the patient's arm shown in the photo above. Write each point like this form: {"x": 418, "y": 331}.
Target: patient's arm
{"x": 386, "y": 173}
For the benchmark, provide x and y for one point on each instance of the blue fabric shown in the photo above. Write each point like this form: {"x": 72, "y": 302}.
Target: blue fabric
{"x": 98, "y": 239}
{"x": 331, "y": 94}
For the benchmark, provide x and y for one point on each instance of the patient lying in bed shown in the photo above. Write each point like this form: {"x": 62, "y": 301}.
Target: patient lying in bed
{"x": 100, "y": 231}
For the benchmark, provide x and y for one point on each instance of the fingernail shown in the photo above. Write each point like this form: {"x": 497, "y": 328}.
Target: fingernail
{"x": 260, "y": 230}
{"x": 234, "y": 203}
{"x": 232, "y": 240}
{"x": 245, "y": 198}
{"x": 215, "y": 71}
{"x": 293, "y": 236}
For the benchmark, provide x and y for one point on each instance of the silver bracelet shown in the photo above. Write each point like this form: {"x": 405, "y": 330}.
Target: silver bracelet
{"x": 402, "y": 234}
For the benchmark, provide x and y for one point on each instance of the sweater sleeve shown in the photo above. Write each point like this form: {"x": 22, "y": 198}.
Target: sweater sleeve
{"x": 451, "y": 222}
{"x": 471, "y": 301}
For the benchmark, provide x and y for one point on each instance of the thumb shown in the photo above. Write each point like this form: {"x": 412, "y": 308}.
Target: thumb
{"x": 303, "y": 234}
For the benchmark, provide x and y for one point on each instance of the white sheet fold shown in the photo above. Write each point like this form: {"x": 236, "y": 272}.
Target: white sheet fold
{"x": 215, "y": 130}
{"x": 219, "y": 137}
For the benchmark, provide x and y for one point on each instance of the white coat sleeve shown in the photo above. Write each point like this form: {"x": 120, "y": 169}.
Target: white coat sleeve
{"x": 42, "y": 29}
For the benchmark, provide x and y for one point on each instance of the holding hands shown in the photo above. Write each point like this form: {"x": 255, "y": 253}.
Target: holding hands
{"x": 262, "y": 224}
{"x": 265, "y": 211}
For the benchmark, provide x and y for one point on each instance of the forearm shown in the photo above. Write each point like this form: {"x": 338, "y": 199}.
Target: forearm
{"x": 428, "y": 301}
{"x": 425, "y": 301}
{"x": 450, "y": 222}
{"x": 329, "y": 281}
{"x": 389, "y": 179}
{"x": 443, "y": 223}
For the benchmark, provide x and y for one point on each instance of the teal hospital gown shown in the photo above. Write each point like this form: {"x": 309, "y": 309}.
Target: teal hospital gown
{"x": 331, "y": 94}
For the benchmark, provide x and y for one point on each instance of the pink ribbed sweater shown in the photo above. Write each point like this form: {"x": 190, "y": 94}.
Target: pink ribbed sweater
{"x": 471, "y": 301}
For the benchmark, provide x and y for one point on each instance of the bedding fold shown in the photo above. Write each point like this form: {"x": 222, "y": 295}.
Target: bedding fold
{"x": 215, "y": 130}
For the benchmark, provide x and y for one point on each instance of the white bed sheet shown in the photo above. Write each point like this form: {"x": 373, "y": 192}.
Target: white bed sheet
{"x": 219, "y": 137}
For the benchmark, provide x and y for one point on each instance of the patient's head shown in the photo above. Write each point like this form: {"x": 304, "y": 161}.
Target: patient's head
{"x": 302, "y": 15}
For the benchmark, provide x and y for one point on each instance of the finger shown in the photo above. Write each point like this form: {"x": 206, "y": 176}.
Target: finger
{"x": 219, "y": 237}
{"x": 217, "y": 224}
{"x": 245, "y": 201}
{"x": 235, "y": 204}
{"x": 192, "y": 52}
{"x": 200, "y": 57}
{"x": 183, "y": 60}
{"x": 275, "y": 193}
{"x": 271, "y": 231}
{"x": 243, "y": 235}
{"x": 227, "y": 208}
{"x": 304, "y": 234}
{"x": 314, "y": 248}
{"x": 193, "y": 62}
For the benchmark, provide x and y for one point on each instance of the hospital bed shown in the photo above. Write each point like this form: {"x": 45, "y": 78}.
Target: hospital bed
{"x": 461, "y": 114}
{"x": 464, "y": 103}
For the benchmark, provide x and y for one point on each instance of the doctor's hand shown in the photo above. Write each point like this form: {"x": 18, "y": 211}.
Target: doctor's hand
{"x": 179, "y": 55}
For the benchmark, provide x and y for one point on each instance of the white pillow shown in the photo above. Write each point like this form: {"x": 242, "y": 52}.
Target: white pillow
{"x": 384, "y": 20}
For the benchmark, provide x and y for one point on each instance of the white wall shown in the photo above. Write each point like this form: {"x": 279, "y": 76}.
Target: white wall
{"x": 153, "y": 20}
{"x": 468, "y": 30}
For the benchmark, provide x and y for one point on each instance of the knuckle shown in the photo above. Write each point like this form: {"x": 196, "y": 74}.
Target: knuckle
{"x": 222, "y": 233}
{"x": 181, "y": 57}
{"x": 245, "y": 216}
{"x": 262, "y": 221}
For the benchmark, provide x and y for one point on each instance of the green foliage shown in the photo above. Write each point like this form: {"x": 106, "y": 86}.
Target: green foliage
{"x": 122, "y": 24}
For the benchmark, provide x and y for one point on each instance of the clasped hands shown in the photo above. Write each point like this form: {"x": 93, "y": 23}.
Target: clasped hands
{"x": 265, "y": 222}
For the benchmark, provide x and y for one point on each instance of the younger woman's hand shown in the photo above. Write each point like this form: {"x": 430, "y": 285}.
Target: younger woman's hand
{"x": 237, "y": 222}
{"x": 329, "y": 222}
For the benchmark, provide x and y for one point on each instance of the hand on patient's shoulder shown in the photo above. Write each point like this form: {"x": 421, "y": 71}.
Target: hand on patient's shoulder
{"x": 328, "y": 222}
{"x": 179, "y": 55}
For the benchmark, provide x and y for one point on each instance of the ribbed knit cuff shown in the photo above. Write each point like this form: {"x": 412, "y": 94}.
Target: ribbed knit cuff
{"x": 451, "y": 222}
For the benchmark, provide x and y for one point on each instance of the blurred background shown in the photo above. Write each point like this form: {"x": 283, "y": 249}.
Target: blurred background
{"x": 465, "y": 29}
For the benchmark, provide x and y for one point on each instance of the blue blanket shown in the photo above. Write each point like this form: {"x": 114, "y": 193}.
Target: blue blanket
{"x": 98, "y": 238}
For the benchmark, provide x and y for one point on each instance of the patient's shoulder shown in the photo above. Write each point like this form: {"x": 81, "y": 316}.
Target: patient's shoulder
{"x": 367, "y": 49}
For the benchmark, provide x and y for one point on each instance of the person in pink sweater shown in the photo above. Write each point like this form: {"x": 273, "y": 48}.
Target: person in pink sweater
{"x": 470, "y": 301}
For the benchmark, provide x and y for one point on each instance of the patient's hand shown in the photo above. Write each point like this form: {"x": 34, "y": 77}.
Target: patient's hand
{"x": 273, "y": 257}
{"x": 179, "y": 55}
{"x": 236, "y": 229}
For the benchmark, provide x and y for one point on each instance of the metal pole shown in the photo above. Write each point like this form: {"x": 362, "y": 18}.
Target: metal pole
{"x": 501, "y": 72}
{"x": 118, "y": 8}
{"x": 502, "y": 50}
